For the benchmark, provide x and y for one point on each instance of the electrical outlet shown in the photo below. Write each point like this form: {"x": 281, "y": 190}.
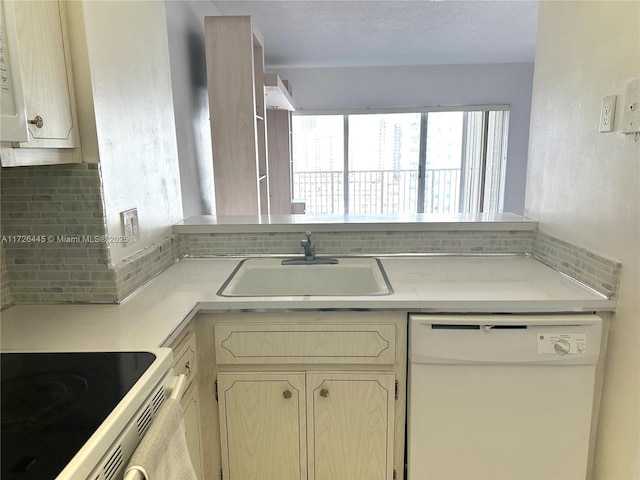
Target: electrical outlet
{"x": 130, "y": 226}
{"x": 631, "y": 115}
{"x": 607, "y": 113}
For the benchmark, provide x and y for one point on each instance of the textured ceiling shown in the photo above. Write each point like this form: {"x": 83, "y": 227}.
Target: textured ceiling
{"x": 329, "y": 33}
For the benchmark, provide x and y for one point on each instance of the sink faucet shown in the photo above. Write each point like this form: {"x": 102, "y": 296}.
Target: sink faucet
{"x": 309, "y": 255}
{"x": 309, "y": 249}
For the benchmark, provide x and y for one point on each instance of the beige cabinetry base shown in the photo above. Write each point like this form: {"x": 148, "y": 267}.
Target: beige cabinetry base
{"x": 262, "y": 425}
{"x": 191, "y": 411}
{"x": 309, "y": 410}
{"x": 350, "y": 423}
{"x": 185, "y": 362}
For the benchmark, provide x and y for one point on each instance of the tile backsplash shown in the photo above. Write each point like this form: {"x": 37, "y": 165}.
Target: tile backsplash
{"x": 53, "y": 239}
{"x": 53, "y": 228}
{"x": 595, "y": 271}
{"x": 53, "y": 247}
{"x": 143, "y": 266}
{"x": 345, "y": 243}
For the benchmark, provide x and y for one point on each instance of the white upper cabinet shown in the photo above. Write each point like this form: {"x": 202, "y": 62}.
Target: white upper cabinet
{"x": 41, "y": 58}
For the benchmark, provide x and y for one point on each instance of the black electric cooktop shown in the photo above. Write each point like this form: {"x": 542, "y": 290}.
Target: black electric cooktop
{"x": 53, "y": 402}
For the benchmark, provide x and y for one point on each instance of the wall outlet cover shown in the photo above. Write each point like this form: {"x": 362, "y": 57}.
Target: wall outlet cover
{"x": 607, "y": 113}
{"x": 130, "y": 225}
{"x": 631, "y": 115}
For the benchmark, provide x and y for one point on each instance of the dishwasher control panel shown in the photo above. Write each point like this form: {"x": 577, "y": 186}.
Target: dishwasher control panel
{"x": 504, "y": 339}
{"x": 562, "y": 343}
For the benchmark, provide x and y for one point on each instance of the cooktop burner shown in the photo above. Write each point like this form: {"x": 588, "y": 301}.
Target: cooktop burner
{"x": 53, "y": 402}
{"x": 33, "y": 401}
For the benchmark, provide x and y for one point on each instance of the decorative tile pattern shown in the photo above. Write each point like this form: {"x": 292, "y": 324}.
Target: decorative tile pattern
{"x": 53, "y": 231}
{"x": 599, "y": 273}
{"x": 345, "y": 243}
{"x": 143, "y": 266}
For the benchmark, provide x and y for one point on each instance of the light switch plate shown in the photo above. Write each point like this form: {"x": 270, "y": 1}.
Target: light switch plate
{"x": 130, "y": 226}
{"x": 607, "y": 113}
{"x": 631, "y": 115}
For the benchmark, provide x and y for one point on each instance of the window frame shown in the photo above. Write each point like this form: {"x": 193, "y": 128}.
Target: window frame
{"x": 424, "y": 112}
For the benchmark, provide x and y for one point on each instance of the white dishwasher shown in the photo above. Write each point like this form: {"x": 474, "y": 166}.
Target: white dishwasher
{"x": 501, "y": 396}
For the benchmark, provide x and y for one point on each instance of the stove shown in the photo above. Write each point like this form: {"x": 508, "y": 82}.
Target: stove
{"x": 62, "y": 411}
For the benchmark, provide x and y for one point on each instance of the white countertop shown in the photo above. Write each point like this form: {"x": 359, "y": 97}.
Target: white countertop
{"x": 491, "y": 284}
{"x": 354, "y": 223}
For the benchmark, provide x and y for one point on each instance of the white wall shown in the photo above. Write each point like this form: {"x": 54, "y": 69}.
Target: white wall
{"x": 125, "y": 104}
{"x": 185, "y": 24}
{"x": 584, "y": 186}
{"x": 418, "y": 86}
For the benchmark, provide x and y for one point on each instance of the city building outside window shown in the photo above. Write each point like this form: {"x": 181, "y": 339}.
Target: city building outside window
{"x": 399, "y": 163}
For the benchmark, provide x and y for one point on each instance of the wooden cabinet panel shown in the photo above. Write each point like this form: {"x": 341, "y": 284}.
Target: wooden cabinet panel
{"x": 261, "y": 127}
{"x": 184, "y": 362}
{"x": 47, "y": 88}
{"x": 185, "y": 359}
{"x": 234, "y": 63}
{"x": 279, "y": 148}
{"x": 350, "y": 425}
{"x": 355, "y": 431}
{"x": 47, "y": 83}
{"x": 319, "y": 343}
{"x": 191, "y": 413}
{"x": 262, "y": 425}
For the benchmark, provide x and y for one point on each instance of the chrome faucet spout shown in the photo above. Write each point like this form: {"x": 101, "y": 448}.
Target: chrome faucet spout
{"x": 309, "y": 248}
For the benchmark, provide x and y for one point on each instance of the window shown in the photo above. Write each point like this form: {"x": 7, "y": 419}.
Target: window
{"x": 415, "y": 162}
{"x": 318, "y": 162}
{"x": 384, "y": 152}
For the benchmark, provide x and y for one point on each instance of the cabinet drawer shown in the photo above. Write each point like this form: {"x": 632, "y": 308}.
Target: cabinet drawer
{"x": 317, "y": 343}
{"x": 185, "y": 359}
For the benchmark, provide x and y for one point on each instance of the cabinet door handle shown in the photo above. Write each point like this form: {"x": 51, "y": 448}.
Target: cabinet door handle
{"x": 324, "y": 393}
{"x": 287, "y": 394}
{"x": 187, "y": 368}
{"x": 38, "y": 122}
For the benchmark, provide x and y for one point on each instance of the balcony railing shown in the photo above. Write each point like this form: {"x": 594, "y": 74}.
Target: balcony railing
{"x": 378, "y": 191}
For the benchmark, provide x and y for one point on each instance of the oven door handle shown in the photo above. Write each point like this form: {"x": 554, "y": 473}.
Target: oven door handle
{"x": 178, "y": 387}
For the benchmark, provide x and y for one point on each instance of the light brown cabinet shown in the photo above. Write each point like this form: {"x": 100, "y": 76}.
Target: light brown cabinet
{"x": 262, "y": 425}
{"x": 235, "y": 70}
{"x": 279, "y": 107}
{"x": 310, "y": 395}
{"x": 350, "y": 425}
{"x": 314, "y": 425}
{"x": 43, "y": 56}
{"x": 279, "y": 135}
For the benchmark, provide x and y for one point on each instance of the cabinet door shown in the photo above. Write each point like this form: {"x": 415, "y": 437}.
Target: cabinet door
{"x": 45, "y": 66}
{"x": 350, "y": 425}
{"x": 191, "y": 412}
{"x": 262, "y": 425}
